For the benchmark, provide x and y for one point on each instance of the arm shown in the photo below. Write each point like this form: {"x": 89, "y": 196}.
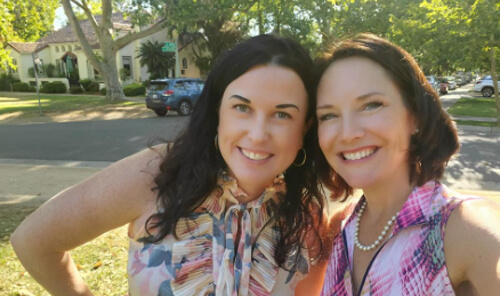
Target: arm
{"x": 472, "y": 247}
{"x": 111, "y": 198}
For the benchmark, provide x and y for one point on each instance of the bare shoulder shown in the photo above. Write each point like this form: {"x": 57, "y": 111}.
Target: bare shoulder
{"x": 472, "y": 245}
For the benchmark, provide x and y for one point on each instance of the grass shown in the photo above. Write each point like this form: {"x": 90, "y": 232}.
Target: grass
{"x": 27, "y": 105}
{"x": 102, "y": 262}
{"x": 480, "y": 107}
{"x": 476, "y": 123}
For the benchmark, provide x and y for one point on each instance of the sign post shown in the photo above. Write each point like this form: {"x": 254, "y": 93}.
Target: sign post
{"x": 36, "y": 65}
{"x": 172, "y": 47}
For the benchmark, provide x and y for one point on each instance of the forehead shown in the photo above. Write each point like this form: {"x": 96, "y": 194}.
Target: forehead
{"x": 268, "y": 84}
{"x": 353, "y": 77}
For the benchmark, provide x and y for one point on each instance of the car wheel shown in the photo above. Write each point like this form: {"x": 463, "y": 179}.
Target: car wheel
{"x": 487, "y": 92}
{"x": 161, "y": 112}
{"x": 184, "y": 108}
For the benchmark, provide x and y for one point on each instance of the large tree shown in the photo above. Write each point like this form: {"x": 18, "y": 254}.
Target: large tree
{"x": 145, "y": 12}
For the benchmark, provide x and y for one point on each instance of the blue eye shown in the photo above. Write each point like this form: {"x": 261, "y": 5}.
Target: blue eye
{"x": 326, "y": 117}
{"x": 283, "y": 115}
{"x": 372, "y": 105}
{"x": 241, "y": 108}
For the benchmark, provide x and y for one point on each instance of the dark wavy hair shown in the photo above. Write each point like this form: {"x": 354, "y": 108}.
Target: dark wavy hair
{"x": 436, "y": 140}
{"x": 188, "y": 174}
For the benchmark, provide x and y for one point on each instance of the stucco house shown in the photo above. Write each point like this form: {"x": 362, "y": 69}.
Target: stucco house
{"x": 62, "y": 49}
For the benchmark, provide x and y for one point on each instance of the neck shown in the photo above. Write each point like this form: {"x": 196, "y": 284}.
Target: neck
{"x": 387, "y": 198}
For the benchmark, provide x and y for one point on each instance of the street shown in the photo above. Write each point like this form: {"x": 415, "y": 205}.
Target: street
{"x": 476, "y": 167}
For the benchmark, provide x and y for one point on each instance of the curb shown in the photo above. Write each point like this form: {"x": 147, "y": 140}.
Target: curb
{"x": 56, "y": 163}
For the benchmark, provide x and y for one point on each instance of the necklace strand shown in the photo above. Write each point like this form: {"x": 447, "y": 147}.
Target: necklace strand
{"x": 380, "y": 237}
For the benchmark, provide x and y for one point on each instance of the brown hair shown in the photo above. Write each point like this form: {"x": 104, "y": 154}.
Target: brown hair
{"x": 436, "y": 140}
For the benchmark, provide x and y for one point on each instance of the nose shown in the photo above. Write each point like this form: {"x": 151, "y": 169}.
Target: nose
{"x": 351, "y": 129}
{"x": 258, "y": 130}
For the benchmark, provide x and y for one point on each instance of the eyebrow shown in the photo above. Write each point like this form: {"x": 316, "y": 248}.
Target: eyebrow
{"x": 279, "y": 106}
{"x": 360, "y": 98}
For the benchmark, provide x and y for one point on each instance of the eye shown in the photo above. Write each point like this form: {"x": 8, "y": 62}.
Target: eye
{"x": 327, "y": 116}
{"x": 283, "y": 115}
{"x": 242, "y": 108}
{"x": 372, "y": 105}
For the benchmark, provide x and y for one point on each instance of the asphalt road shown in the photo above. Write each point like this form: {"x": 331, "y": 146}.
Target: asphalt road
{"x": 106, "y": 140}
{"x": 476, "y": 167}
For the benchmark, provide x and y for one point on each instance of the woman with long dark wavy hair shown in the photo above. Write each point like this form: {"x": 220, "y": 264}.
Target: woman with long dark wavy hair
{"x": 230, "y": 208}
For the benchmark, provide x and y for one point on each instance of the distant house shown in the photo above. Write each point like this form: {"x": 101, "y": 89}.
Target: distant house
{"x": 62, "y": 50}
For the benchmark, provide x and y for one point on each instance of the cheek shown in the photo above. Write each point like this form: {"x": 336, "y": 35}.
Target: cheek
{"x": 326, "y": 136}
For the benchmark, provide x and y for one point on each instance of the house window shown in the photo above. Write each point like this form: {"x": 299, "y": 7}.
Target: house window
{"x": 184, "y": 63}
{"x": 127, "y": 66}
{"x": 61, "y": 69}
{"x": 57, "y": 48}
{"x": 63, "y": 48}
{"x": 13, "y": 70}
{"x": 69, "y": 47}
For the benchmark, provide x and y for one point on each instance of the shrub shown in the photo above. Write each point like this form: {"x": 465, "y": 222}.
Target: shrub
{"x": 23, "y": 86}
{"x": 50, "y": 70}
{"x": 31, "y": 72}
{"x": 124, "y": 74}
{"x": 54, "y": 87}
{"x": 76, "y": 89}
{"x": 85, "y": 83}
{"x": 103, "y": 91}
{"x": 93, "y": 87}
{"x": 134, "y": 90}
{"x": 6, "y": 80}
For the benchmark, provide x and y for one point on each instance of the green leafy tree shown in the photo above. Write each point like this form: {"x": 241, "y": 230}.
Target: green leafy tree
{"x": 33, "y": 19}
{"x": 158, "y": 62}
{"x": 142, "y": 15}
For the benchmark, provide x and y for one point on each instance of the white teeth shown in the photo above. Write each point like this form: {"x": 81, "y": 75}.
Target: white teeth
{"x": 254, "y": 156}
{"x": 359, "y": 154}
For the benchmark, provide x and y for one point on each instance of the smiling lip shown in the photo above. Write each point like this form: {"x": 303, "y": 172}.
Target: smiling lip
{"x": 358, "y": 154}
{"x": 255, "y": 156}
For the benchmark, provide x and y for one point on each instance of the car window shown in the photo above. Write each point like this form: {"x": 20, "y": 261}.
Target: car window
{"x": 179, "y": 85}
{"x": 158, "y": 86}
{"x": 201, "y": 84}
{"x": 191, "y": 85}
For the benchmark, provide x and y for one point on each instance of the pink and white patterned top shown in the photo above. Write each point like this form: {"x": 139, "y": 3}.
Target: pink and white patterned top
{"x": 208, "y": 259}
{"x": 412, "y": 261}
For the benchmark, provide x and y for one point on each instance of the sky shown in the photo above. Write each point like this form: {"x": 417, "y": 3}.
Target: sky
{"x": 60, "y": 19}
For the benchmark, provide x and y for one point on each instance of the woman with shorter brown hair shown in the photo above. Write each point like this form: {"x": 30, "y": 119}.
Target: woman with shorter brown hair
{"x": 382, "y": 129}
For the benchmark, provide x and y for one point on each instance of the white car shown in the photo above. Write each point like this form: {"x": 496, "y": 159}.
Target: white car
{"x": 485, "y": 86}
{"x": 452, "y": 84}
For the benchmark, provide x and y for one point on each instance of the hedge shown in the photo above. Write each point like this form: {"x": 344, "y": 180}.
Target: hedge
{"x": 54, "y": 87}
{"x": 6, "y": 80}
{"x": 85, "y": 83}
{"x": 23, "y": 86}
{"x": 134, "y": 90}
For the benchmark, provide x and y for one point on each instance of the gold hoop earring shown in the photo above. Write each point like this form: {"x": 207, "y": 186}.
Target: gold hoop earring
{"x": 216, "y": 142}
{"x": 303, "y": 160}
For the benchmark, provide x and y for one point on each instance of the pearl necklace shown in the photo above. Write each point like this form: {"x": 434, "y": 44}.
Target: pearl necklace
{"x": 380, "y": 237}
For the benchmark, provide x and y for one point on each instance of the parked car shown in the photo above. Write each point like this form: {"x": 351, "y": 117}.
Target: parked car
{"x": 452, "y": 84}
{"x": 443, "y": 85}
{"x": 485, "y": 86}
{"x": 460, "y": 81}
{"x": 177, "y": 94}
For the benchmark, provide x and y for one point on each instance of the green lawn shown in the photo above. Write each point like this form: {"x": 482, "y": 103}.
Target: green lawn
{"x": 480, "y": 107}
{"x": 27, "y": 105}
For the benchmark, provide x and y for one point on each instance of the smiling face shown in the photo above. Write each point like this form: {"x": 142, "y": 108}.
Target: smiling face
{"x": 364, "y": 128}
{"x": 261, "y": 125}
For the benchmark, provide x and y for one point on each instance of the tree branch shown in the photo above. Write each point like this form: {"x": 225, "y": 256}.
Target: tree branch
{"x": 75, "y": 25}
{"x": 134, "y": 36}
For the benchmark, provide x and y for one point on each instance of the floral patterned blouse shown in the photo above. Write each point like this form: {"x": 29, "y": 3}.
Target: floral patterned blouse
{"x": 209, "y": 259}
{"x": 411, "y": 261}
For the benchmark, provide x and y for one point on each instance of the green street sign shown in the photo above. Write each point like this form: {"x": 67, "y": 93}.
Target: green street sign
{"x": 168, "y": 47}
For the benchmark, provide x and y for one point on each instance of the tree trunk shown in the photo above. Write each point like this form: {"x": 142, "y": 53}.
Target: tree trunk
{"x": 494, "y": 76}
{"x": 114, "y": 90}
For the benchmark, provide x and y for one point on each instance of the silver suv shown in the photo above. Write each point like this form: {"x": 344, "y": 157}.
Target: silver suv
{"x": 177, "y": 94}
